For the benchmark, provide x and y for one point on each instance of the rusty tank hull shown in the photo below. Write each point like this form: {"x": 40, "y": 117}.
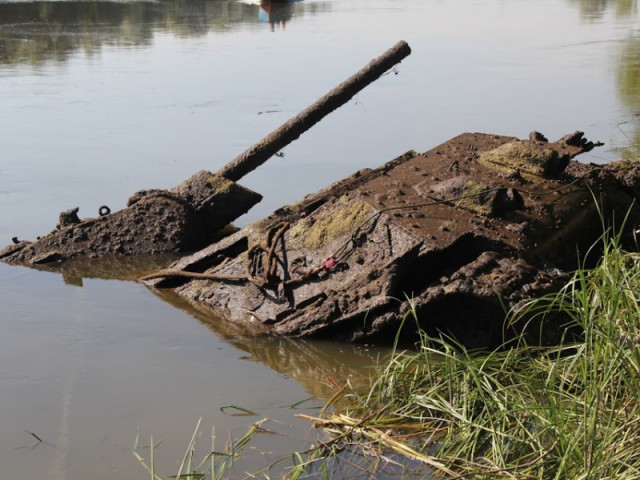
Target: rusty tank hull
{"x": 459, "y": 234}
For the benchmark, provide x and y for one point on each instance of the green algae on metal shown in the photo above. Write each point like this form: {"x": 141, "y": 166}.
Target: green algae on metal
{"x": 314, "y": 233}
{"x": 529, "y": 159}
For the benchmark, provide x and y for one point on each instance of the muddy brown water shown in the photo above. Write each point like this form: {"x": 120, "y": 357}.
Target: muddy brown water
{"x": 101, "y": 99}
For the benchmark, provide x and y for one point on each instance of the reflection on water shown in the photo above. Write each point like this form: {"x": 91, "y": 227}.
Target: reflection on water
{"x": 628, "y": 81}
{"x": 131, "y": 268}
{"x": 596, "y": 9}
{"x": 319, "y": 366}
{"x": 107, "y": 268}
{"x": 85, "y": 368}
{"x": 275, "y": 13}
{"x": 32, "y": 32}
{"x": 627, "y": 61}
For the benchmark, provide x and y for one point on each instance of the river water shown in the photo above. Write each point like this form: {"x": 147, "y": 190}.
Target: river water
{"x": 101, "y": 99}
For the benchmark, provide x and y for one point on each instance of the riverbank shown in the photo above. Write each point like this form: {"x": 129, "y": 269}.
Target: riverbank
{"x": 521, "y": 411}
{"x": 568, "y": 411}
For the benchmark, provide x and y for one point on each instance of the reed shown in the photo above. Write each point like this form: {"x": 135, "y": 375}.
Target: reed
{"x": 215, "y": 465}
{"x": 521, "y": 411}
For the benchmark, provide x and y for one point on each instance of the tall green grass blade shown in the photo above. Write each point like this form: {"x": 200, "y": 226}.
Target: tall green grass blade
{"x": 188, "y": 454}
{"x": 521, "y": 411}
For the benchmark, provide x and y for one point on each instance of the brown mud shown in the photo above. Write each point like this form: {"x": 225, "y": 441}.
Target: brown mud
{"x": 460, "y": 233}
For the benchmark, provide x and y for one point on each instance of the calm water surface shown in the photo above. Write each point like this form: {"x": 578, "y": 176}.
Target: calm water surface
{"x": 101, "y": 99}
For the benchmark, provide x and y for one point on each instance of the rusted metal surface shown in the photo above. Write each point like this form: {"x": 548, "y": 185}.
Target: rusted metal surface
{"x": 461, "y": 232}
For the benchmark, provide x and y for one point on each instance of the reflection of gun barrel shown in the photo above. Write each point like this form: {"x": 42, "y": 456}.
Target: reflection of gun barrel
{"x": 187, "y": 216}
{"x": 293, "y": 128}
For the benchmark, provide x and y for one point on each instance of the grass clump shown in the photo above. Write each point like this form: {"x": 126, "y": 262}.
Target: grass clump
{"x": 568, "y": 411}
{"x": 216, "y": 465}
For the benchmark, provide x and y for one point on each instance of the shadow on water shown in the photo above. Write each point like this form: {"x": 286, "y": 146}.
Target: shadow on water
{"x": 34, "y": 32}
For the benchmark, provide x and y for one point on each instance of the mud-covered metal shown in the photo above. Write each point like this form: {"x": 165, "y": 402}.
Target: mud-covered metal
{"x": 460, "y": 233}
{"x": 184, "y": 218}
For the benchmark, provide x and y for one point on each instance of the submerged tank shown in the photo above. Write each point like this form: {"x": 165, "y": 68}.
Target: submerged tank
{"x": 458, "y": 234}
